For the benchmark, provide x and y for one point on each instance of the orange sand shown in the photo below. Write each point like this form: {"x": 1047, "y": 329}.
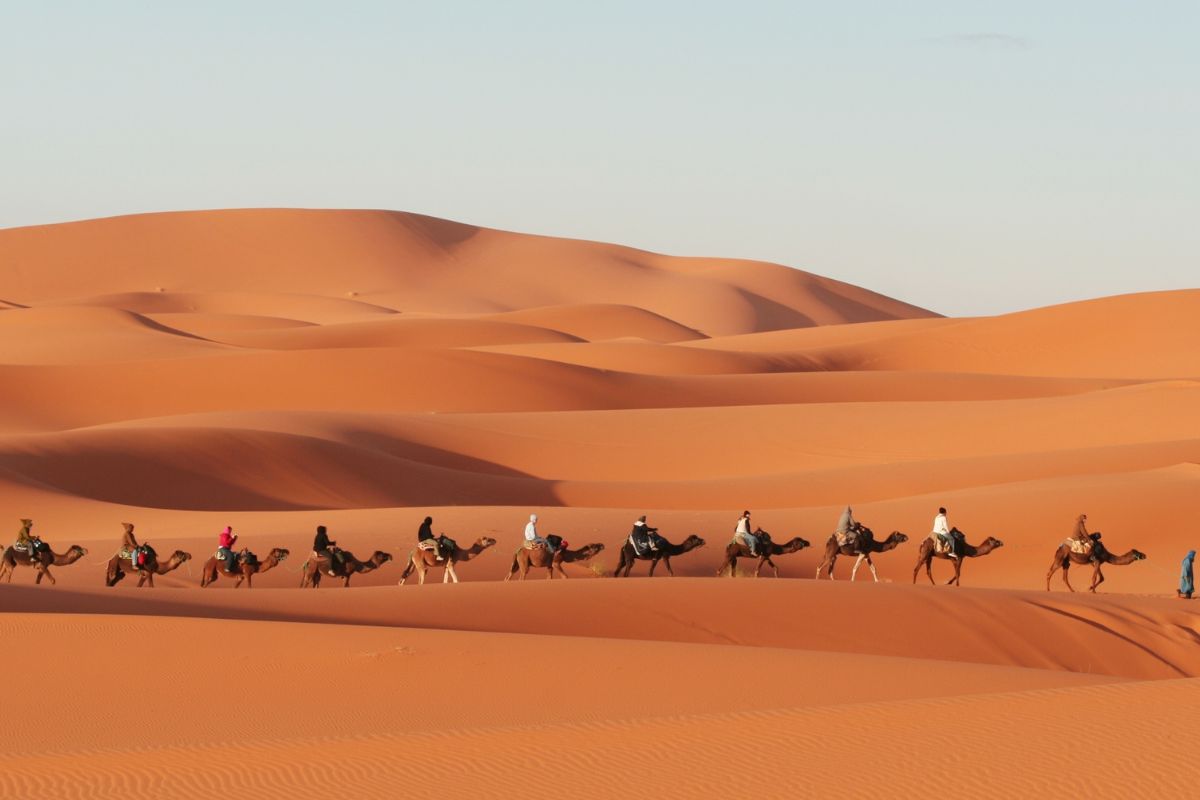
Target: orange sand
{"x": 276, "y": 369}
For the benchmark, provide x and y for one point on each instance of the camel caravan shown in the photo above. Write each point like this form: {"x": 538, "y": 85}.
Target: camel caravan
{"x": 551, "y": 553}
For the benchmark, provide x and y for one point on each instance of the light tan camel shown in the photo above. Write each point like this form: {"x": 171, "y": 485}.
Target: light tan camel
{"x": 528, "y": 557}
{"x": 424, "y": 560}
{"x": 45, "y": 559}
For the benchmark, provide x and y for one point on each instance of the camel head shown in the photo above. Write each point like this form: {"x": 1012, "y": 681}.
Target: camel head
{"x": 77, "y": 551}
{"x": 692, "y": 542}
{"x": 180, "y": 556}
{"x": 379, "y": 558}
{"x": 795, "y": 544}
{"x": 992, "y": 542}
{"x": 278, "y": 554}
{"x": 898, "y": 537}
{"x": 484, "y": 542}
{"x": 589, "y": 550}
{"x": 1138, "y": 555}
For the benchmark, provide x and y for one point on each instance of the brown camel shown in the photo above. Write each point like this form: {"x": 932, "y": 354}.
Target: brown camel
{"x": 424, "y": 560}
{"x": 1064, "y": 557}
{"x": 118, "y": 566}
{"x": 527, "y": 557}
{"x": 45, "y": 559}
{"x": 243, "y": 570}
{"x": 316, "y": 566}
{"x": 862, "y": 547}
{"x": 766, "y": 548}
{"x": 663, "y": 553}
{"x": 929, "y": 552}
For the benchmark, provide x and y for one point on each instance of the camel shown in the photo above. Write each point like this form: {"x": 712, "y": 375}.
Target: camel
{"x": 527, "y": 557}
{"x": 766, "y": 548}
{"x": 423, "y": 560}
{"x": 862, "y": 547}
{"x": 241, "y": 571}
{"x": 314, "y": 568}
{"x": 663, "y": 553}
{"x": 929, "y": 552}
{"x": 1064, "y": 557}
{"x": 118, "y": 566}
{"x": 45, "y": 559}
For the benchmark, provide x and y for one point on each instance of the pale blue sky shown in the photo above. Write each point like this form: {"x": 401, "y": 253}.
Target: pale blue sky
{"x": 969, "y": 157}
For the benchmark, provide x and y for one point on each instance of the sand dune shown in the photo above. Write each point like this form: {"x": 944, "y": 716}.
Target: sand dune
{"x": 275, "y": 370}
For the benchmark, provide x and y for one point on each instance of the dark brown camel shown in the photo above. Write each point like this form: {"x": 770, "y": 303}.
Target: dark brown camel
{"x": 527, "y": 557}
{"x": 663, "y": 553}
{"x": 316, "y": 566}
{"x": 862, "y": 547}
{"x": 241, "y": 571}
{"x": 766, "y": 548}
{"x": 1064, "y": 557}
{"x": 424, "y": 560}
{"x": 45, "y": 559}
{"x": 118, "y": 566}
{"x": 929, "y": 552}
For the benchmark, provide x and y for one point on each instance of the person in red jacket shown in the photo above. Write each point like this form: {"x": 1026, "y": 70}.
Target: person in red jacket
{"x": 226, "y": 541}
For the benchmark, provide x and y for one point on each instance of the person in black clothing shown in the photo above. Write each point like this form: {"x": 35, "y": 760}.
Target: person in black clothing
{"x": 324, "y": 547}
{"x": 643, "y": 535}
{"x": 425, "y": 534}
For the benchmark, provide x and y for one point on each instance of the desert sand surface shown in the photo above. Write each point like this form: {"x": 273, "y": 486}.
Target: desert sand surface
{"x": 275, "y": 370}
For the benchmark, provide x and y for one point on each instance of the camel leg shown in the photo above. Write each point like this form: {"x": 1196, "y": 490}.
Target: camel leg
{"x": 957, "y": 572}
{"x": 1054, "y": 567}
{"x": 346, "y": 585}
{"x": 1066, "y": 567}
{"x": 420, "y": 565}
{"x": 667, "y": 563}
{"x": 929, "y": 570}
{"x": 854, "y": 570}
{"x": 450, "y": 571}
{"x": 561, "y": 571}
{"x": 1097, "y": 578}
{"x": 871, "y": 565}
{"x": 653, "y": 564}
{"x": 38, "y": 579}
{"x": 730, "y": 563}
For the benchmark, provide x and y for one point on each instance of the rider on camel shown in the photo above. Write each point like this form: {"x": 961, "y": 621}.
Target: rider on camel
{"x": 324, "y": 547}
{"x": 643, "y": 536}
{"x": 941, "y": 530}
{"x": 427, "y": 541}
{"x": 742, "y": 532}
{"x": 225, "y": 542}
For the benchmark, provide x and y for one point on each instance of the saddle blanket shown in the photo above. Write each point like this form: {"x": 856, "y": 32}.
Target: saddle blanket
{"x": 1079, "y": 547}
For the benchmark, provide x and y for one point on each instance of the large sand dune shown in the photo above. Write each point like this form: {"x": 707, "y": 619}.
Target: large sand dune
{"x": 280, "y": 369}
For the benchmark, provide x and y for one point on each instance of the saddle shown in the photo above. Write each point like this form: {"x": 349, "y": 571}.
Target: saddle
{"x": 847, "y": 539}
{"x": 1084, "y": 548}
{"x": 139, "y": 556}
{"x": 552, "y": 542}
{"x": 940, "y": 545}
{"x": 642, "y": 547}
